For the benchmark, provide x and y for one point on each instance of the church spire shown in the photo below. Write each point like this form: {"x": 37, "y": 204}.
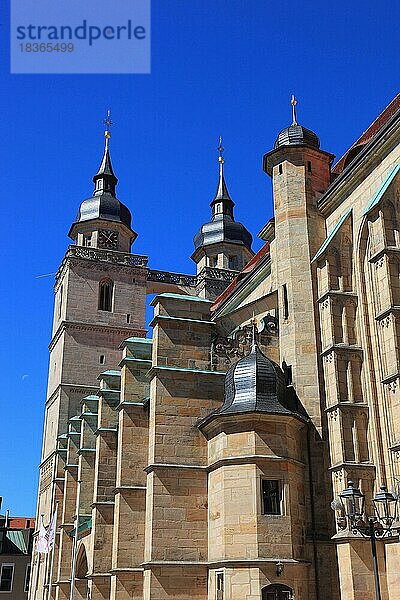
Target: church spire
{"x": 105, "y": 179}
{"x": 222, "y": 202}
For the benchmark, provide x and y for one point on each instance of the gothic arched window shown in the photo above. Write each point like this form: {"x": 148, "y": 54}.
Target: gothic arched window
{"x": 106, "y": 290}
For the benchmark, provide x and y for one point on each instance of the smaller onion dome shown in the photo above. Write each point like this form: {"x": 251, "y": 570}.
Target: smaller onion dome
{"x": 255, "y": 384}
{"x": 222, "y": 227}
{"x": 295, "y": 134}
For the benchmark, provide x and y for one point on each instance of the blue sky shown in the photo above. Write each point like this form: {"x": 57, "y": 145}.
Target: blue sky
{"x": 218, "y": 67}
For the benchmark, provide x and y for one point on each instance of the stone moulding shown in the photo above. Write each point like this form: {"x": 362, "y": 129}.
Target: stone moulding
{"x": 161, "y": 368}
{"x": 252, "y": 458}
{"x": 229, "y": 562}
{"x": 154, "y": 466}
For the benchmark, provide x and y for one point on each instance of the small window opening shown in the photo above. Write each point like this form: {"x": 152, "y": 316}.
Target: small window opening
{"x": 102, "y": 359}
{"x": 233, "y": 263}
{"x": 213, "y": 261}
{"x": 87, "y": 239}
{"x": 309, "y": 166}
{"x": 285, "y": 302}
{"x": 60, "y": 302}
{"x": 280, "y": 168}
{"x": 288, "y": 373}
{"x": 106, "y": 288}
{"x": 272, "y": 497}
{"x": 6, "y": 578}
{"x": 219, "y": 586}
{"x": 27, "y": 578}
{"x": 128, "y": 318}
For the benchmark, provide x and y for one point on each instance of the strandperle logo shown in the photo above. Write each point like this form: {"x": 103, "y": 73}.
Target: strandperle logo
{"x": 85, "y": 31}
{"x": 93, "y": 36}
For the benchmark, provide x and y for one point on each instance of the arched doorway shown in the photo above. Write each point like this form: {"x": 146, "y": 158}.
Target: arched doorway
{"x": 277, "y": 591}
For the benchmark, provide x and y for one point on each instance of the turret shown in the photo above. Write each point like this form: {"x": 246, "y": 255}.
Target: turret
{"x": 222, "y": 242}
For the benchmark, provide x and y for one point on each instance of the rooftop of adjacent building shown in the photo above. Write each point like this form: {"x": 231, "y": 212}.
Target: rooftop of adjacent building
{"x": 16, "y": 534}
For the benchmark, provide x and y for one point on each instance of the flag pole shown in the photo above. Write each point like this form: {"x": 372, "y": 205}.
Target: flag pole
{"x": 46, "y": 570}
{"x": 38, "y": 563}
{"x": 75, "y": 543}
{"x": 52, "y": 554}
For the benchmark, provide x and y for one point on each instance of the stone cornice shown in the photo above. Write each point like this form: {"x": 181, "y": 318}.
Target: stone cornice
{"x": 387, "y": 312}
{"x": 252, "y": 458}
{"x": 337, "y": 294}
{"x": 73, "y": 387}
{"x": 350, "y": 465}
{"x": 154, "y": 466}
{"x": 348, "y": 406}
{"x": 98, "y": 327}
{"x": 99, "y": 257}
{"x": 129, "y": 489}
{"x": 224, "y": 562}
{"x": 170, "y": 369}
{"x": 121, "y": 570}
{"x": 161, "y": 318}
{"x": 383, "y": 252}
{"x": 342, "y": 348}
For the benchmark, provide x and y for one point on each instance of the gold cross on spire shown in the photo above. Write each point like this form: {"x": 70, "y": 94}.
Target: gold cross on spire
{"x": 108, "y": 124}
{"x": 221, "y": 151}
{"x": 293, "y": 102}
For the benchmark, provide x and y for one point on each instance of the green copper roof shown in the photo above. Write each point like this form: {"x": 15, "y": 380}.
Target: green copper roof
{"x": 179, "y": 297}
{"x": 111, "y": 373}
{"x": 17, "y": 542}
{"x": 332, "y": 233}
{"x": 182, "y": 370}
{"x": 378, "y": 195}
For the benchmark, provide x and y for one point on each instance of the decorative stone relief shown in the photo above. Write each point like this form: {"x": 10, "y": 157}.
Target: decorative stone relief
{"x": 227, "y": 350}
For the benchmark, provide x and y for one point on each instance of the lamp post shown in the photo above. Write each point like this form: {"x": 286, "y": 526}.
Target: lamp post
{"x": 378, "y": 526}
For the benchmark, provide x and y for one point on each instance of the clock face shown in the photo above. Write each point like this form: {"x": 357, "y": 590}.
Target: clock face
{"x": 108, "y": 239}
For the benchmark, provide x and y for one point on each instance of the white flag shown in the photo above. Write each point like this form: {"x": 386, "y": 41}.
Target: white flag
{"x": 42, "y": 546}
{"x": 51, "y": 532}
{"x": 47, "y": 535}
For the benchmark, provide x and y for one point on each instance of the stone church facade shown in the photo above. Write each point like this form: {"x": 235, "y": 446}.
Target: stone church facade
{"x": 199, "y": 456}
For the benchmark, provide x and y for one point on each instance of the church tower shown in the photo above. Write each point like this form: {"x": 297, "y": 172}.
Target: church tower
{"x": 100, "y": 298}
{"x": 223, "y": 245}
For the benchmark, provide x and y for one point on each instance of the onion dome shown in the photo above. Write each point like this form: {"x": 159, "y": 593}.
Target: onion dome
{"x": 255, "y": 384}
{"x": 295, "y": 134}
{"x": 104, "y": 204}
{"x": 222, "y": 227}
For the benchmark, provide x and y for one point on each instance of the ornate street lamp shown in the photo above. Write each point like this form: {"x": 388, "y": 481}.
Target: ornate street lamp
{"x": 352, "y": 502}
{"x": 385, "y": 507}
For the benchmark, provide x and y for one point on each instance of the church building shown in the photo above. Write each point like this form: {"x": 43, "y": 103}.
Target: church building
{"x": 239, "y": 446}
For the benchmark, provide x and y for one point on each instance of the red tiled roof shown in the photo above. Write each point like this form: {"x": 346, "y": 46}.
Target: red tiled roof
{"x": 371, "y": 132}
{"x": 21, "y": 522}
{"x": 249, "y": 268}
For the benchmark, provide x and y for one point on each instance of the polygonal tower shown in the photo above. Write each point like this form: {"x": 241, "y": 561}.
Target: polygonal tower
{"x": 257, "y": 485}
{"x": 300, "y": 173}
